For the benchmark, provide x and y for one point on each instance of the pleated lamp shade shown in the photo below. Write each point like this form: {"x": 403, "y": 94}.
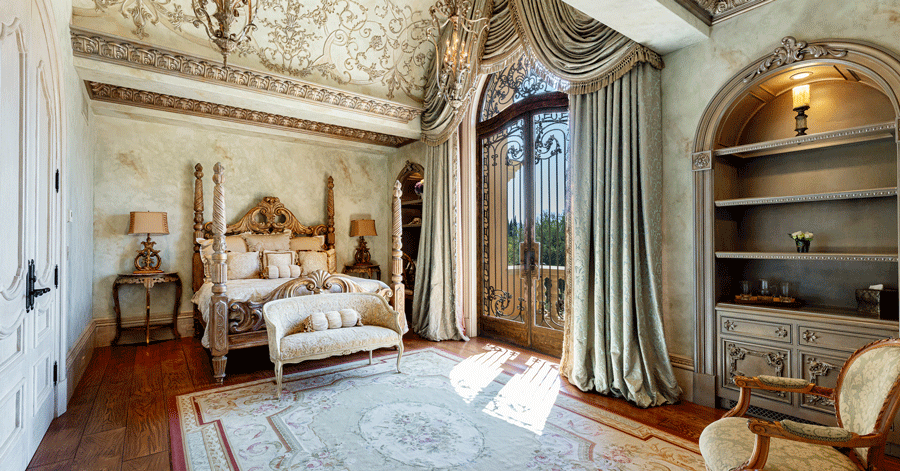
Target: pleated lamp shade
{"x": 362, "y": 227}
{"x": 148, "y": 222}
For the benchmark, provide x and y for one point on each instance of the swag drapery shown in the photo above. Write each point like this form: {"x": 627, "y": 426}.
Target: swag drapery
{"x": 613, "y": 341}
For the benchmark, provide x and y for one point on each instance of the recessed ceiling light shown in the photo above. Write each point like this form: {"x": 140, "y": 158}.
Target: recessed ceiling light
{"x": 800, "y": 75}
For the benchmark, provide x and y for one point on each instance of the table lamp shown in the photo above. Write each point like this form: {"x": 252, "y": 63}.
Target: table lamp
{"x": 361, "y": 228}
{"x": 147, "y": 222}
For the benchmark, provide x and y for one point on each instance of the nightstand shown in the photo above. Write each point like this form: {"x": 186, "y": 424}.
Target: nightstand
{"x": 371, "y": 271}
{"x": 148, "y": 281}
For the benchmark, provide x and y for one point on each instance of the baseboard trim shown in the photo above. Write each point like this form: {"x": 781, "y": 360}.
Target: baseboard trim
{"x": 106, "y": 328}
{"x": 681, "y": 362}
{"x": 78, "y": 357}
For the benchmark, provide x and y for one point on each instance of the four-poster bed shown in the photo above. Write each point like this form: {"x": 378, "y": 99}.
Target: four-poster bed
{"x": 236, "y": 321}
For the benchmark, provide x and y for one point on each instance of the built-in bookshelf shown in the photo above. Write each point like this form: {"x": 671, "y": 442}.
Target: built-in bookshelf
{"x": 411, "y": 215}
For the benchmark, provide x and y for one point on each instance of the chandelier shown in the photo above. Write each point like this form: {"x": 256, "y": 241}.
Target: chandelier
{"x": 453, "y": 69}
{"x": 227, "y": 14}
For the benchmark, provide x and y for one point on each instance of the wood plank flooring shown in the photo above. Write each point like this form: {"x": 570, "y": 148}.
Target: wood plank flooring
{"x": 116, "y": 419}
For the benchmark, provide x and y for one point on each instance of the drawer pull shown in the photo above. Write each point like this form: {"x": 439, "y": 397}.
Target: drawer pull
{"x": 809, "y": 336}
{"x": 781, "y": 332}
{"x": 729, "y": 325}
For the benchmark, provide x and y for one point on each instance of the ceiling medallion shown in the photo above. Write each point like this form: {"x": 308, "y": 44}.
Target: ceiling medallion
{"x": 453, "y": 69}
{"x": 227, "y": 13}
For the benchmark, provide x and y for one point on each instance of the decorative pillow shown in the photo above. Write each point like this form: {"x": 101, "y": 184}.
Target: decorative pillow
{"x": 289, "y": 271}
{"x": 350, "y": 318}
{"x": 243, "y": 265}
{"x": 313, "y": 243}
{"x": 318, "y": 321}
{"x": 277, "y": 260}
{"x": 334, "y": 319}
{"x": 262, "y": 242}
{"x": 236, "y": 243}
{"x": 312, "y": 261}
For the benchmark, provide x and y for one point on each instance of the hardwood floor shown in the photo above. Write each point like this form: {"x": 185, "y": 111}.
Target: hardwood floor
{"x": 116, "y": 419}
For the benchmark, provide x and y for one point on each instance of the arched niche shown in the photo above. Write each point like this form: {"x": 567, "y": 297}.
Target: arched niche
{"x": 854, "y": 93}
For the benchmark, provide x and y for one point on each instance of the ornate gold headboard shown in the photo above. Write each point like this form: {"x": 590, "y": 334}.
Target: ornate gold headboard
{"x": 269, "y": 216}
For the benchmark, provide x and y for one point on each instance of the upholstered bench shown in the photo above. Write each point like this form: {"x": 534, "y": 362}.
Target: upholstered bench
{"x": 288, "y": 319}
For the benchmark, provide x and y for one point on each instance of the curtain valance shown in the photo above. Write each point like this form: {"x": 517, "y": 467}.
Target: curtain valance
{"x": 572, "y": 51}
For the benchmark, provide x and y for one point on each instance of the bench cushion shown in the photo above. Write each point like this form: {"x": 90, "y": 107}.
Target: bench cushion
{"x": 335, "y": 341}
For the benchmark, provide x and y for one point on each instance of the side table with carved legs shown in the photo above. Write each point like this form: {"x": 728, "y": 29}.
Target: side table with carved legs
{"x": 148, "y": 280}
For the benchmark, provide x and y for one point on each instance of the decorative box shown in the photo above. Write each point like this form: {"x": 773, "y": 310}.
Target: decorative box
{"x": 881, "y": 304}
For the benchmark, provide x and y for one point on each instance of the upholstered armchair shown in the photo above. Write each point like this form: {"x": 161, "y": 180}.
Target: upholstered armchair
{"x": 865, "y": 402}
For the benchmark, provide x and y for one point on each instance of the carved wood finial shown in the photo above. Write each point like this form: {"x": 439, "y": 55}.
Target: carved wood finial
{"x": 399, "y": 291}
{"x": 329, "y": 209}
{"x": 198, "y": 205}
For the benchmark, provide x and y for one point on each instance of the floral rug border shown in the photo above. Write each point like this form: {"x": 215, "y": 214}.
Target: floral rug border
{"x": 609, "y": 418}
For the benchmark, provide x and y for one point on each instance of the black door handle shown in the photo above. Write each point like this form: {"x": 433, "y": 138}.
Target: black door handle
{"x": 30, "y": 291}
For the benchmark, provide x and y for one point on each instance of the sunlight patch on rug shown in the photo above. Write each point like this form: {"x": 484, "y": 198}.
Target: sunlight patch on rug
{"x": 444, "y": 412}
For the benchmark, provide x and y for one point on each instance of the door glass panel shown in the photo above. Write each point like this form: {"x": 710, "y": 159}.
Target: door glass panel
{"x": 551, "y": 149}
{"x": 503, "y": 212}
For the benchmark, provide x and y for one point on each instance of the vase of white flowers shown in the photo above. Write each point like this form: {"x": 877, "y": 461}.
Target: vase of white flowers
{"x": 802, "y": 239}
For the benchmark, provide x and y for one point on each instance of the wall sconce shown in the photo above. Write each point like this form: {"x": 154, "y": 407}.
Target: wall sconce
{"x": 148, "y": 260}
{"x": 801, "y": 104}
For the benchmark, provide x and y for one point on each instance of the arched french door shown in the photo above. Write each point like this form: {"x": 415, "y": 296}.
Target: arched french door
{"x": 522, "y": 154}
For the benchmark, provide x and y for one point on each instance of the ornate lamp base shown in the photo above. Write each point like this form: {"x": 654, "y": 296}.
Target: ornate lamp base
{"x": 801, "y": 120}
{"x": 147, "y": 261}
{"x": 362, "y": 255}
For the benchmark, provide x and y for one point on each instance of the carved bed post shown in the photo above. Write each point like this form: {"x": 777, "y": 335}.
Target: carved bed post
{"x": 197, "y": 278}
{"x": 399, "y": 292}
{"x": 329, "y": 209}
{"x": 218, "y": 312}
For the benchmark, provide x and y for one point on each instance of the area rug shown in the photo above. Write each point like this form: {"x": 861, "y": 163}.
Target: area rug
{"x": 442, "y": 412}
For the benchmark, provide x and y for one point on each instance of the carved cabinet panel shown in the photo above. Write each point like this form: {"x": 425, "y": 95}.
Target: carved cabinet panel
{"x": 815, "y": 336}
{"x": 750, "y": 359}
{"x": 822, "y": 370}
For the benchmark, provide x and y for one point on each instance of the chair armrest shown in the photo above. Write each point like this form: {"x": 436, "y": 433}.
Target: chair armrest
{"x": 773, "y": 383}
{"x": 814, "y": 434}
{"x": 804, "y": 433}
{"x": 384, "y": 317}
{"x": 275, "y": 331}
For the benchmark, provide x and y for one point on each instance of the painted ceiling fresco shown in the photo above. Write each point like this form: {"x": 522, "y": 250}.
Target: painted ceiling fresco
{"x": 373, "y": 47}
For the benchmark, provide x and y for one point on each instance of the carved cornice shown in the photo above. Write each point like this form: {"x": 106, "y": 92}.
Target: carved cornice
{"x": 119, "y": 51}
{"x": 792, "y": 51}
{"x": 153, "y": 100}
{"x": 718, "y": 10}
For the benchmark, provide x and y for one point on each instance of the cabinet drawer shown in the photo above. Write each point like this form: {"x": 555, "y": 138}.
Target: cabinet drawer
{"x": 812, "y": 336}
{"x": 774, "y": 331}
{"x": 747, "y": 359}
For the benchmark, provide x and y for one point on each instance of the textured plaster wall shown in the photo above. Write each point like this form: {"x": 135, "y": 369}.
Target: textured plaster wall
{"x": 145, "y": 166}
{"x": 77, "y": 180}
{"x": 690, "y": 79}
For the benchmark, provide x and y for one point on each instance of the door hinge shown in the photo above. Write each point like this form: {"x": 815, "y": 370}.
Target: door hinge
{"x": 57, "y": 180}
{"x": 56, "y": 277}
{"x": 55, "y": 370}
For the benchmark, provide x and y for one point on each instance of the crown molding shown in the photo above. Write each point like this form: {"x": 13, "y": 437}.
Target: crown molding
{"x": 97, "y": 46}
{"x": 158, "y": 101}
{"x": 716, "y": 11}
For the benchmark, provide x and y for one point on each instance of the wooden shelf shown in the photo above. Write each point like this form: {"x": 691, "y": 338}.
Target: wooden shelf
{"x": 866, "y": 133}
{"x": 818, "y": 256}
{"x": 411, "y": 202}
{"x": 831, "y": 196}
{"x": 806, "y": 311}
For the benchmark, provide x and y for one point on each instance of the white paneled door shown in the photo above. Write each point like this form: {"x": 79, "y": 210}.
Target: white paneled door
{"x": 30, "y": 228}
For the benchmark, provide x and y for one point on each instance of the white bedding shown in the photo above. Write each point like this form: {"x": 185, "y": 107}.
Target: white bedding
{"x": 255, "y": 289}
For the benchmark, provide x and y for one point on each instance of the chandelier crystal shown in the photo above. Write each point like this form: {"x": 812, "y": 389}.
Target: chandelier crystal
{"x": 453, "y": 68}
{"x": 219, "y": 25}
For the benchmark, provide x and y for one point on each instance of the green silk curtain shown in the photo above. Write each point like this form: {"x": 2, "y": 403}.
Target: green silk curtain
{"x": 614, "y": 341}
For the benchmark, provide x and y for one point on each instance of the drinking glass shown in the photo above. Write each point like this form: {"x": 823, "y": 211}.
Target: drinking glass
{"x": 745, "y": 288}
{"x": 764, "y": 287}
{"x": 786, "y": 289}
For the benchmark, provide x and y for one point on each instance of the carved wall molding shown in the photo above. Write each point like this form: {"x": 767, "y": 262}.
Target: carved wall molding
{"x": 159, "y": 101}
{"x": 792, "y": 51}
{"x": 714, "y": 11}
{"x": 701, "y": 160}
{"x": 119, "y": 51}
